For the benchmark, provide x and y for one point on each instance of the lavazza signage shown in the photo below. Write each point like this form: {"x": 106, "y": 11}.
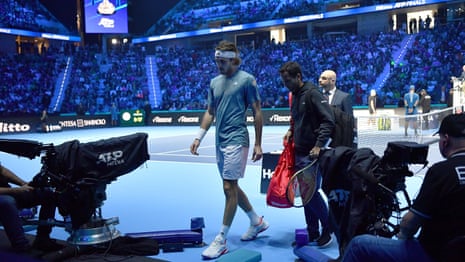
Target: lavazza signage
{"x": 9, "y": 127}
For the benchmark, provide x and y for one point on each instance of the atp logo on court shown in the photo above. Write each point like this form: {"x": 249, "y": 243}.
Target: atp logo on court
{"x": 114, "y": 158}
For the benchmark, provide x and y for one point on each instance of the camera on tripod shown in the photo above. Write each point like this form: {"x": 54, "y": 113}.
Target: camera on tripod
{"x": 78, "y": 173}
{"x": 364, "y": 189}
{"x": 382, "y": 182}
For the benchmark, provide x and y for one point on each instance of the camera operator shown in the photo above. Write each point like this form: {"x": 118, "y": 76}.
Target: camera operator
{"x": 439, "y": 209}
{"x": 12, "y": 199}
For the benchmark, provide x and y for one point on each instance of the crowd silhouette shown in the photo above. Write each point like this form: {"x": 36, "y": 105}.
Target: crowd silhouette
{"x": 185, "y": 74}
{"x": 27, "y": 82}
{"x": 99, "y": 80}
{"x": 28, "y": 15}
{"x": 189, "y": 15}
{"x": 119, "y": 75}
{"x": 434, "y": 57}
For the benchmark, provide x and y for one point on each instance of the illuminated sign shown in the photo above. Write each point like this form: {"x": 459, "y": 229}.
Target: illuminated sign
{"x": 11, "y": 31}
{"x": 106, "y": 16}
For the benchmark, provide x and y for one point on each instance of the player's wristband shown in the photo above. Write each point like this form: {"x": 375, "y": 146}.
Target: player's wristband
{"x": 201, "y": 134}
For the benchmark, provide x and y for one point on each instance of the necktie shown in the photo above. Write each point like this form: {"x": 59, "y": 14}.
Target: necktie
{"x": 327, "y": 94}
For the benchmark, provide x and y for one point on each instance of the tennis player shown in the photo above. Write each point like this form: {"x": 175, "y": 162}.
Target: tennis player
{"x": 229, "y": 96}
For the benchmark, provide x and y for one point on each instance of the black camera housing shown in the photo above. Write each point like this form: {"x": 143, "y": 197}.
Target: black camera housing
{"x": 403, "y": 153}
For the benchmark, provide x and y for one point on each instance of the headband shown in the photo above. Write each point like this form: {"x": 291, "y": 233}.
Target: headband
{"x": 225, "y": 54}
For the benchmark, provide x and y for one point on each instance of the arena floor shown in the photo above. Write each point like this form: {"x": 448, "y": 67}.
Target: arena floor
{"x": 175, "y": 186}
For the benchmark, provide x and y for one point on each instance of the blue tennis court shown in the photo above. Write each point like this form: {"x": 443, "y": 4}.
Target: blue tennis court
{"x": 175, "y": 186}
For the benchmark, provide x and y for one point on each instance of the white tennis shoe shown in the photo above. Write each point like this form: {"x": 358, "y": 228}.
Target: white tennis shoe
{"x": 216, "y": 248}
{"x": 254, "y": 230}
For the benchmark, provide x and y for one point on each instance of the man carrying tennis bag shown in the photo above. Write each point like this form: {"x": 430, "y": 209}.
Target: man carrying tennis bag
{"x": 313, "y": 124}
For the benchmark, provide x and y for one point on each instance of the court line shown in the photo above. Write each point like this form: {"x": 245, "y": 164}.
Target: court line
{"x": 179, "y": 155}
{"x": 185, "y": 149}
{"x": 184, "y": 163}
{"x": 202, "y": 147}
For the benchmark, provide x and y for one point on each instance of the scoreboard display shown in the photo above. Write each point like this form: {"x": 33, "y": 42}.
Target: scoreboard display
{"x": 106, "y": 16}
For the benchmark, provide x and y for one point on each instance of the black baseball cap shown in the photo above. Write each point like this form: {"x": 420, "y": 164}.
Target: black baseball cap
{"x": 453, "y": 125}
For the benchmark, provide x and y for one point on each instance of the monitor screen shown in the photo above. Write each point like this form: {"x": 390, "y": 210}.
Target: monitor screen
{"x": 106, "y": 16}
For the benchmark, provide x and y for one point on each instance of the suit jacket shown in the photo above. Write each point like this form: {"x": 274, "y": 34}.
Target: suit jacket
{"x": 342, "y": 100}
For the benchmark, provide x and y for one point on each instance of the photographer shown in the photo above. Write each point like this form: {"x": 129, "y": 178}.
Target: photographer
{"x": 24, "y": 196}
{"x": 438, "y": 209}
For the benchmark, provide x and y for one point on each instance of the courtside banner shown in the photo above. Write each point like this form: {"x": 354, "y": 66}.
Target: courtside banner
{"x": 175, "y": 118}
{"x": 17, "y": 124}
{"x": 74, "y": 122}
{"x": 189, "y": 118}
{"x": 276, "y": 116}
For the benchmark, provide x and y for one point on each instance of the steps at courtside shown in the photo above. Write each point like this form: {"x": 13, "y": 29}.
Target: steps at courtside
{"x": 397, "y": 56}
{"x": 153, "y": 83}
{"x": 60, "y": 87}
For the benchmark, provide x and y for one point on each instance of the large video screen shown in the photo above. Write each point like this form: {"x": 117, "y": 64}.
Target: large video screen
{"x": 106, "y": 16}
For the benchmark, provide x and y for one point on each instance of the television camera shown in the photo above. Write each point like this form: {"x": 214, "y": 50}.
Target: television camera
{"x": 385, "y": 179}
{"x": 363, "y": 189}
{"x": 79, "y": 173}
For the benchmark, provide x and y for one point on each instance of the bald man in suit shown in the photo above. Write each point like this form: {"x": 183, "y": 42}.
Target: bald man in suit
{"x": 337, "y": 97}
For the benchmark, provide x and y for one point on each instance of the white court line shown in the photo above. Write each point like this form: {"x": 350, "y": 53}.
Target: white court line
{"x": 184, "y": 163}
{"x": 184, "y": 149}
{"x": 180, "y": 150}
{"x": 179, "y": 155}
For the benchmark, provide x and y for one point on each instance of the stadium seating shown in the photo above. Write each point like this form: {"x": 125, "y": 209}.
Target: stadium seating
{"x": 120, "y": 76}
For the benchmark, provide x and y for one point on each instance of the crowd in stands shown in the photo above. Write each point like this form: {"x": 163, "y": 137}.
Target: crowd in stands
{"x": 189, "y": 15}
{"x": 27, "y": 82}
{"x": 357, "y": 63}
{"x": 429, "y": 62}
{"x": 299, "y": 7}
{"x": 28, "y": 15}
{"x": 185, "y": 74}
{"x": 99, "y": 80}
{"x": 119, "y": 77}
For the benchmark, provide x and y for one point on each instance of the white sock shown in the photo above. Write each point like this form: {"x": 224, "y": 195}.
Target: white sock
{"x": 224, "y": 231}
{"x": 254, "y": 218}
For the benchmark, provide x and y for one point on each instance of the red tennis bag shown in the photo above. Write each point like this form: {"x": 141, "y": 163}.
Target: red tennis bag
{"x": 276, "y": 194}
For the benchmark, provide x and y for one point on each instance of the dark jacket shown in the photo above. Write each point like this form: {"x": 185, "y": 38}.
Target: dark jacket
{"x": 312, "y": 117}
{"x": 342, "y": 100}
{"x": 425, "y": 102}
